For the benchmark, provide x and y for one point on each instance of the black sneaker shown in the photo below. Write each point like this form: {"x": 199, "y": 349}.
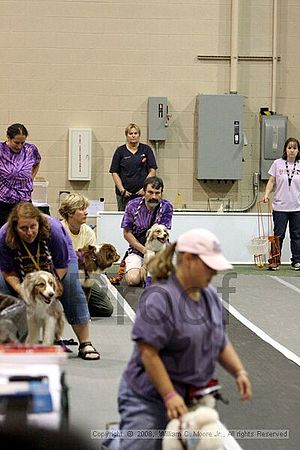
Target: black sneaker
{"x": 295, "y": 266}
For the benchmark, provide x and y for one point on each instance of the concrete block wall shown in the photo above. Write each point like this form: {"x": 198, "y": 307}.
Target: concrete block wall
{"x": 95, "y": 63}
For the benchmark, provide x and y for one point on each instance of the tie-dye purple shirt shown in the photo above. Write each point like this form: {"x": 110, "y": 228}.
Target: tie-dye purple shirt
{"x": 138, "y": 218}
{"x": 16, "y": 181}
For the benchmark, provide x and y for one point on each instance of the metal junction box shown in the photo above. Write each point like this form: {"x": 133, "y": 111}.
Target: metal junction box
{"x": 157, "y": 118}
{"x": 219, "y": 136}
{"x": 272, "y": 139}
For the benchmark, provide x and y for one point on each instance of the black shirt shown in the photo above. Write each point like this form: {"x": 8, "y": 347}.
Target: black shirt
{"x": 133, "y": 168}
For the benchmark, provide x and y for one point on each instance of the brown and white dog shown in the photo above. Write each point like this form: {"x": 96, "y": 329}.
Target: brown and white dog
{"x": 156, "y": 240}
{"x": 45, "y": 317}
{"x": 95, "y": 259}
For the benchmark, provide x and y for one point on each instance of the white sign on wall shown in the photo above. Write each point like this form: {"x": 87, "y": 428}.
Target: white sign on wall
{"x": 80, "y": 153}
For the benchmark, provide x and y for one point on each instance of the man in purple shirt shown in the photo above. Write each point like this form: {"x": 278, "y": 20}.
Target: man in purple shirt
{"x": 140, "y": 214}
{"x": 19, "y": 163}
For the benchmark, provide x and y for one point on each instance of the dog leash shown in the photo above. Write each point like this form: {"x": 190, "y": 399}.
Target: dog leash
{"x": 155, "y": 218}
{"x": 116, "y": 280}
{"x": 43, "y": 259}
{"x": 35, "y": 260}
{"x": 81, "y": 258}
{"x": 157, "y": 213}
{"x": 180, "y": 434}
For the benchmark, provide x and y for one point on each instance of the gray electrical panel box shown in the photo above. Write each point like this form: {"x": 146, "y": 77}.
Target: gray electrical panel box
{"x": 272, "y": 139}
{"x": 220, "y": 136}
{"x": 157, "y": 118}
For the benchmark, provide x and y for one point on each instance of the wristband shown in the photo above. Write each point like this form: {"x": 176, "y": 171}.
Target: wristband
{"x": 169, "y": 395}
{"x": 241, "y": 372}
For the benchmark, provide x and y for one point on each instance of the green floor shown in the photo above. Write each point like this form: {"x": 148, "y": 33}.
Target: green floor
{"x": 284, "y": 270}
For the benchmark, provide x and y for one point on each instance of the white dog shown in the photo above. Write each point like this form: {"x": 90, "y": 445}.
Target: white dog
{"x": 45, "y": 316}
{"x": 156, "y": 239}
{"x": 199, "y": 428}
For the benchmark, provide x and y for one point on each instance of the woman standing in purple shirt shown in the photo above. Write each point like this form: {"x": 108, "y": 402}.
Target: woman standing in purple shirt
{"x": 19, "y": 163}
{"x": 179, "y": 337}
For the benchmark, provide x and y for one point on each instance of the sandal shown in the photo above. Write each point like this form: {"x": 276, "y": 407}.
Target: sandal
{"x": 86, "y": 349}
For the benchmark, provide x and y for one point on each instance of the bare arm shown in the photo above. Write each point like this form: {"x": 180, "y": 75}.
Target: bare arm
{"x": 151, "y": 173}
{"x": 160, "y": 378}
{"x": 61, "y": 272}
{"x": 35, "y": 170}
{"x": 132, "y": 240}
{"x": 119, "y": 184}
{"x": 269, "y": 188}
{"x": 230, "y": 360}
{"x": 13, "y": 280}
{"x": 117, "y": 181}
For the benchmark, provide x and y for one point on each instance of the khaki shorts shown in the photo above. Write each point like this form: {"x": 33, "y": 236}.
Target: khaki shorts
{"x": 133, "y": 261}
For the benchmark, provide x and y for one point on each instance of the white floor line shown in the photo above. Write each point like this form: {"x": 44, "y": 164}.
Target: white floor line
{"x": 285, "y": 283}
{"x": 121, "y": 300}
{"x": 264, "y": 336}
{"x": 229, "y": 442}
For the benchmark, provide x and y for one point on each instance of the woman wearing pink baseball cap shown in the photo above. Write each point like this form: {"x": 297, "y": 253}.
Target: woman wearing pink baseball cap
{"x": 179, "y": 336}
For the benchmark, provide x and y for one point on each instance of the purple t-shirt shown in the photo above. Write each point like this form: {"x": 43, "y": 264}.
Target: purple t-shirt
{"x": 59, "y": 246}
{"x": 188, "y": 334}
{"x": 138, "y": 218}
{"x": 286, "y": 198}
{"x": 16, "y": 181}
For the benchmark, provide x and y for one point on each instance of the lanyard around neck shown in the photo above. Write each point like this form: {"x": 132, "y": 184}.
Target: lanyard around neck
{"x": 36, "y": 262}
{"x": 288, "y": 172}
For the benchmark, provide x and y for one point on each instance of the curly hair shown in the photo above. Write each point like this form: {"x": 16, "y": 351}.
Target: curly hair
{"x": 71, "y": 203}
{"x": 28, "y": 211}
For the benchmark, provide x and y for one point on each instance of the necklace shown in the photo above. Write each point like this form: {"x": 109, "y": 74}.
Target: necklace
{"x": 36, "y": 259}
{"x": 290, "y": 177}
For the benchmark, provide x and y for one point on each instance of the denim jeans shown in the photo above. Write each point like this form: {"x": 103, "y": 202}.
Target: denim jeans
{"x": 138, "y": 415}
{"x": 281, "y": 219}
{"x": 73, "y": 298}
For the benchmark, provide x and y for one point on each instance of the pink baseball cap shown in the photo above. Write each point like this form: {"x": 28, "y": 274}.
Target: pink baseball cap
{"x": 206, "y": 245}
